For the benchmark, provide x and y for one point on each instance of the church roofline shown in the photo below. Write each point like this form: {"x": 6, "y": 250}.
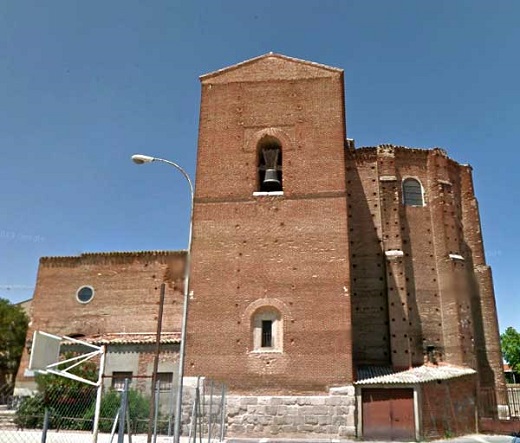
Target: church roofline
{"x": 112, "y": 254}
{"x": 269, "y": 54}
{"x": 423, "y": 151}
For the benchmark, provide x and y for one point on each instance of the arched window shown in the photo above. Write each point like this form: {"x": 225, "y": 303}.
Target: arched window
{"x": 267, "y": 329}
{"x": 412, "y": 192}
{"x": 269, "y": 164}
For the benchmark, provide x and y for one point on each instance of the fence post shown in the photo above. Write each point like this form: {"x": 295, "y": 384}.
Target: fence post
{"x": 201, "y": 409}
{"x": 194, "y": 423}
{"x": 223, "y": 412}
{"x": 156, "y": 410}
{"x": 122, "y": 414}
{"x": 45, "y": 425}
{"x": 170, "y": 410}
{"x": 128, "y": 425}
{"x": 210, "y": 411}
{"x": 114, "y": 426}
{"x": 95, "y": 430}
{"x": 156, "y": 362}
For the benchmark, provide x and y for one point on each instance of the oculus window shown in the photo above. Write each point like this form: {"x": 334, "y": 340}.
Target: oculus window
{"x": 85, "y": 294}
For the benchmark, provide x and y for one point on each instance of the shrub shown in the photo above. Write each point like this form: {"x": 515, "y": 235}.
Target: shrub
{"x": 138, "y": 410}
{"x": 30, "y": 412}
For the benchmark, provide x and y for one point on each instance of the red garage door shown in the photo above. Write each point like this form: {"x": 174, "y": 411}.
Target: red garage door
{"x": 388, "y": 414}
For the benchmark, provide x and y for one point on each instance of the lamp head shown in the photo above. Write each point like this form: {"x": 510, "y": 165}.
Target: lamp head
{"x": 139, "y": 159}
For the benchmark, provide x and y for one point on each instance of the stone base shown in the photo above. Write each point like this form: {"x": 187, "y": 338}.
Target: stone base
{"x": 321, "y": 416}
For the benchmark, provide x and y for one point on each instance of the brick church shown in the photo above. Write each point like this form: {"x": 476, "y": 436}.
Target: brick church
{"x": 338, "y": 291}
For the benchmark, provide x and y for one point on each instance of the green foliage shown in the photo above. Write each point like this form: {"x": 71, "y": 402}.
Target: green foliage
{"x": 67, "y": 408}
{"x": 71, "y": 404}
{"x": 510, "y": 343}
{"x": 56, "y": 383}
{"x": 13, "y": 328}
{"x": 67, "y": 400}
{"x": 30, "y": 412}
{"x": 138, "y": 408}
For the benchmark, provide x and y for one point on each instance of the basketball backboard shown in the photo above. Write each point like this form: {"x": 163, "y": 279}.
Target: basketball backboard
{"x": 45, "y": 351}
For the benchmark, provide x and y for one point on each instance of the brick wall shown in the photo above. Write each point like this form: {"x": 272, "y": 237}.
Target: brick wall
{"x": 286, "y": 251}
{"x": 312, "y": 244}
{"x": 403, "y": 303}
{"x": 126, "y": 296}
{"x": 449, "y": 407}
{"x": 499, "y": 427}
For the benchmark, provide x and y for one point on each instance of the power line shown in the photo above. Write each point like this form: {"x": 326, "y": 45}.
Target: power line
{"x": 16, "y": 287}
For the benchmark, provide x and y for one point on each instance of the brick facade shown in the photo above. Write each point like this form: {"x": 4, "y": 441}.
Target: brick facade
{"x": 293, "y": 291}
{"x": 401, "y": 305}
{"x": 448, "y": 408}
{"x": 289, "y": 252}
{"x": 126, "y": 295}
{"x": 359, "y": 277}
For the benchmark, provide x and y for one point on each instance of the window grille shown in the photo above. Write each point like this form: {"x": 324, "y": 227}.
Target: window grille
{"x": 118, "y": 379}
{"x": 165, "y": 380}
{"x": 267, "y": 333}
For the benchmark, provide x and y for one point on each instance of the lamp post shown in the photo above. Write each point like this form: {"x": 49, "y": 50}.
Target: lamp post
{"x": 140, "y": 159}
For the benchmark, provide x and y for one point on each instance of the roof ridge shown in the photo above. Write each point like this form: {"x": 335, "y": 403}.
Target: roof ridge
{"x": 269, "y": 54}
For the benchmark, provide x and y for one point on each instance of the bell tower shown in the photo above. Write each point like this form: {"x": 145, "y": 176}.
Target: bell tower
{"x": 270, "y": 309}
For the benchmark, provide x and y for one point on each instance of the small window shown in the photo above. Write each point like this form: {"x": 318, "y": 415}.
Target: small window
{"x": 165, "y": 380}
{"x": 412, "y": 192}
{"x": 267, "y": 330}
{"x": 267, "y": 334}
{"x": 118, "y": 379}
{"x": 269, "y": 165}
{"x": 85, "y": 294}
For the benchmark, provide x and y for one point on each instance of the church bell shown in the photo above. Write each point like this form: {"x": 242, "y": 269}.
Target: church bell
{"x": 271, "y": 181}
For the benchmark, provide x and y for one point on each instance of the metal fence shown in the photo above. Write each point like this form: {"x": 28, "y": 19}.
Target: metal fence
{"x": 6, "y": 394}
{"x": 503, "y": 404}
{"x": 513, "y": 396}
{"x": 64, "y": 412}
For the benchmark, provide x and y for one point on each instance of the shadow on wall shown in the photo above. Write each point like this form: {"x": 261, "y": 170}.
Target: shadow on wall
{"x": 369, "y": 302}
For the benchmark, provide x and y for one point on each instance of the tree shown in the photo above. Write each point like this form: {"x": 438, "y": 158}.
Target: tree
{"x": 13, "y": 328}
{"x": 510, "y": 343}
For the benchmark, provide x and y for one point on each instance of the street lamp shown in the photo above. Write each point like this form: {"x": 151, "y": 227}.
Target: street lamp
{"x": 141, "y": 159}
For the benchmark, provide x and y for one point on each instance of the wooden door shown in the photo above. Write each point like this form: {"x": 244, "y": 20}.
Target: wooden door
{"x": 388, "y": 414}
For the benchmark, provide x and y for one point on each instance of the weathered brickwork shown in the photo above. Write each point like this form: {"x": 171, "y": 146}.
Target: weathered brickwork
{"x": 126, "y": 295}
{"x": 289, "y": 251}
{"x": 299, "y": 290}
{"x": 448, "y": 408}
{"x": 357, "y": 276}
{"x": 438, "y": 293}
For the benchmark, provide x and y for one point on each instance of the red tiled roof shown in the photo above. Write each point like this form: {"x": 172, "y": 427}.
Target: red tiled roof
{"x": 130, "y": 338}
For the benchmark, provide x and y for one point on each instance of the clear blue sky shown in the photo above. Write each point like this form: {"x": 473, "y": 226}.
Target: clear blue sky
{"x": 85, "y": 84}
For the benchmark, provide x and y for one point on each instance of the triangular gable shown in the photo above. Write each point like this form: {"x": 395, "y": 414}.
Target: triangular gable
{"x": 270, "y": 67}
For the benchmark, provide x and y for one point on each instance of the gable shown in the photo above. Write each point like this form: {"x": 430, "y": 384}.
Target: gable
{"x": 270, "y": 67}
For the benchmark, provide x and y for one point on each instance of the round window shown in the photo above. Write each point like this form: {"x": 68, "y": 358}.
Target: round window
{"x": 85, "y": 294}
